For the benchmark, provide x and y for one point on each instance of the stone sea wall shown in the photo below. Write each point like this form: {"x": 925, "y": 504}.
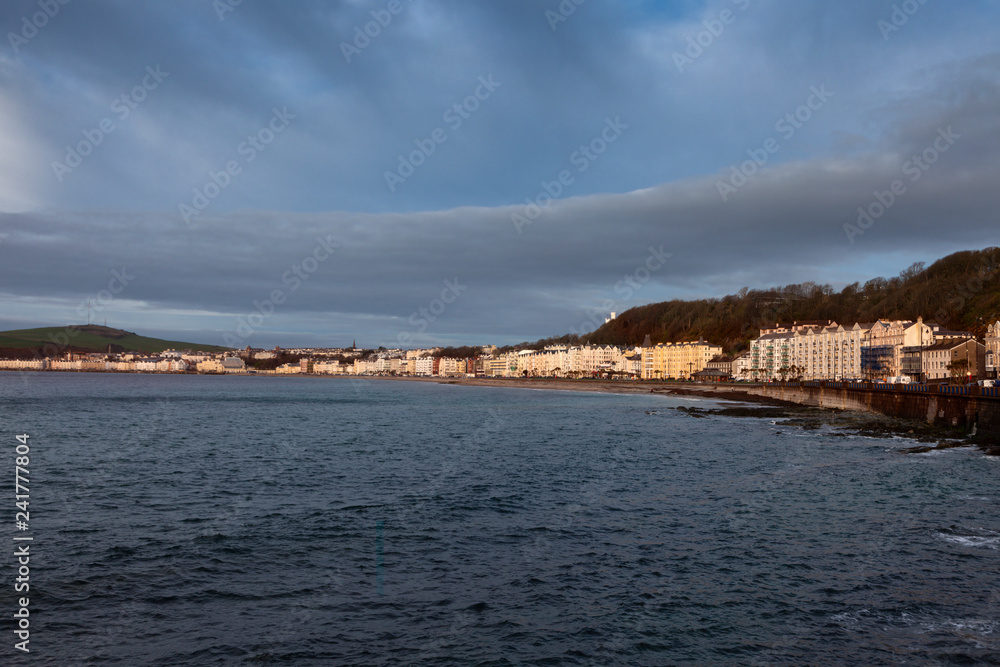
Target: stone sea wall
{"x": 963, "y": 407}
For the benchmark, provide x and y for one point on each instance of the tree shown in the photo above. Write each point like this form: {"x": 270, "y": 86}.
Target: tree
{"x": 954, "y": 292}
{"x": 958, "y": 369}
{"x": 915, "y": 270}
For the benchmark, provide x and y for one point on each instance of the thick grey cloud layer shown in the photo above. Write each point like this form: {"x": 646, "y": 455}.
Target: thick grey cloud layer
{"x": 674, "y": 120}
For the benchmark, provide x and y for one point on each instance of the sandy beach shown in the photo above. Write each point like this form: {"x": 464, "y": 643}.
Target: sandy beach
{"x": 722, "y": 392}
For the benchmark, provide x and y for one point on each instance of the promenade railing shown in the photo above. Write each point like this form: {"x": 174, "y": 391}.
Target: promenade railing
{"x": 913, "y": 387}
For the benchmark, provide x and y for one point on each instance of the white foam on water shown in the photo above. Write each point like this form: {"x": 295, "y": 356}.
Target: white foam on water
{"x": 971, "y": 540}
{"x": 984, "y": 632}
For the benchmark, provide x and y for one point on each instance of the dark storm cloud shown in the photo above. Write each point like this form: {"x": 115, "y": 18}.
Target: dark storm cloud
{"x": 684, "y": 128}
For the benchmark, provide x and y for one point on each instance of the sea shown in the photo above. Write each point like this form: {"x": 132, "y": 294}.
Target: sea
{"x": 199, "y": 520}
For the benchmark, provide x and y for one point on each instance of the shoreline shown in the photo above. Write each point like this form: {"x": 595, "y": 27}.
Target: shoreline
{"x": 865, "y": 423}
{"x": 927, "y": 437}
{"x": 711, "y": 391}
{"x": 721, "y": 392}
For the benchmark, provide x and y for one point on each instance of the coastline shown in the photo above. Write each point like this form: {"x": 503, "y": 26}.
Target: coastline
{"x": 807, "y": 417}
{"x": 927, "y": 437}
{"x": 719, "y": 392}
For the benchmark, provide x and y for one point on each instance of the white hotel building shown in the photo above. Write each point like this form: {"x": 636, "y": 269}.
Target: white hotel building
{"x": 830, "y": 351}
{"x": 993, "y": 350}
{"x": 820, "y": 351}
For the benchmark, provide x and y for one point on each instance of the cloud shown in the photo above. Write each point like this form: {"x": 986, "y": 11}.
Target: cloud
{"x": 389, "y": 265}
{"x": 324, "y": 176}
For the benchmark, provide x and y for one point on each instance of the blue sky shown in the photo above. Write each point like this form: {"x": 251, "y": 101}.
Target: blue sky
{"x": 224, "y": 140}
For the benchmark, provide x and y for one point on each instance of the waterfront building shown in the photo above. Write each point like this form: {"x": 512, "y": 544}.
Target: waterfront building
{"x": 424, "y": 366}
{"x": 742, "y": 365}
{"x": 501, "y": 365}
{"x": 145, "y": 365}
{"x": 833, "y": 352}
{"x": 64, "y": 365}
{"x": 208, "y": 366}
{"x": 590, "y": 359}
{"x": 448, "y": 367}
{"x": 329, "y": 368}
{"x": 769, "y": 354}
{"x": 993, "y": 350}
{"x": 496, "y": 366}
{"x": 630, "y": 363}
{"x": 721, "y": 363}
{"x": 954, "y": 358}
{"x": 676, "y": 360}
{"x": 233, "y": 365}
{"x": 365, "y": 367}
{"x": 882, "y": 355}
{"x": 810, "y": 350}
{"x": 563, "y": 361}
{"x": 24, "y": 364}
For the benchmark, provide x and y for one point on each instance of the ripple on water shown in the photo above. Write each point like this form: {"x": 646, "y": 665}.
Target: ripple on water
{"x": 336, "y": 522}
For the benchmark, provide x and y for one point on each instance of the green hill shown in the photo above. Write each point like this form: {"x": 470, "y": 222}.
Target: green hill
{"x": 87, "y": 338}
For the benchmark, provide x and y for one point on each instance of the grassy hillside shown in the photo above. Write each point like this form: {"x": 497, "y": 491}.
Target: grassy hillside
{"x": 961, "y": 291}
{"x": 90, "y": 338}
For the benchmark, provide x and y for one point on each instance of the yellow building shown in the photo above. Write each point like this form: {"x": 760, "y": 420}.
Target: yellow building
{"x": 676, "y": 360}
{"x": 210, "y": 366}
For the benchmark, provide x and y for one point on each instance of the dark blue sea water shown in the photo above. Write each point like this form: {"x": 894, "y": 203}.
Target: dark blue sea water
{"x": 264, "y": 521}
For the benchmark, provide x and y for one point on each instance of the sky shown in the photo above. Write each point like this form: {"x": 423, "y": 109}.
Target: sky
{"x": 434, "y": 172}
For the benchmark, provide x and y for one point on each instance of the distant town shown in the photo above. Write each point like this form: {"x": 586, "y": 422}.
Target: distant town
{"x": 898, "y": 351}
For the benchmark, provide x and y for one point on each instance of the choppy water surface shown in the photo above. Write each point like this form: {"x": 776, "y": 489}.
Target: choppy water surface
{"x": 201, "y": 521}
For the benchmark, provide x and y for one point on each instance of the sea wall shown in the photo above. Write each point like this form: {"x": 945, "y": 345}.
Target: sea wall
{"x": 962, "y": 407}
